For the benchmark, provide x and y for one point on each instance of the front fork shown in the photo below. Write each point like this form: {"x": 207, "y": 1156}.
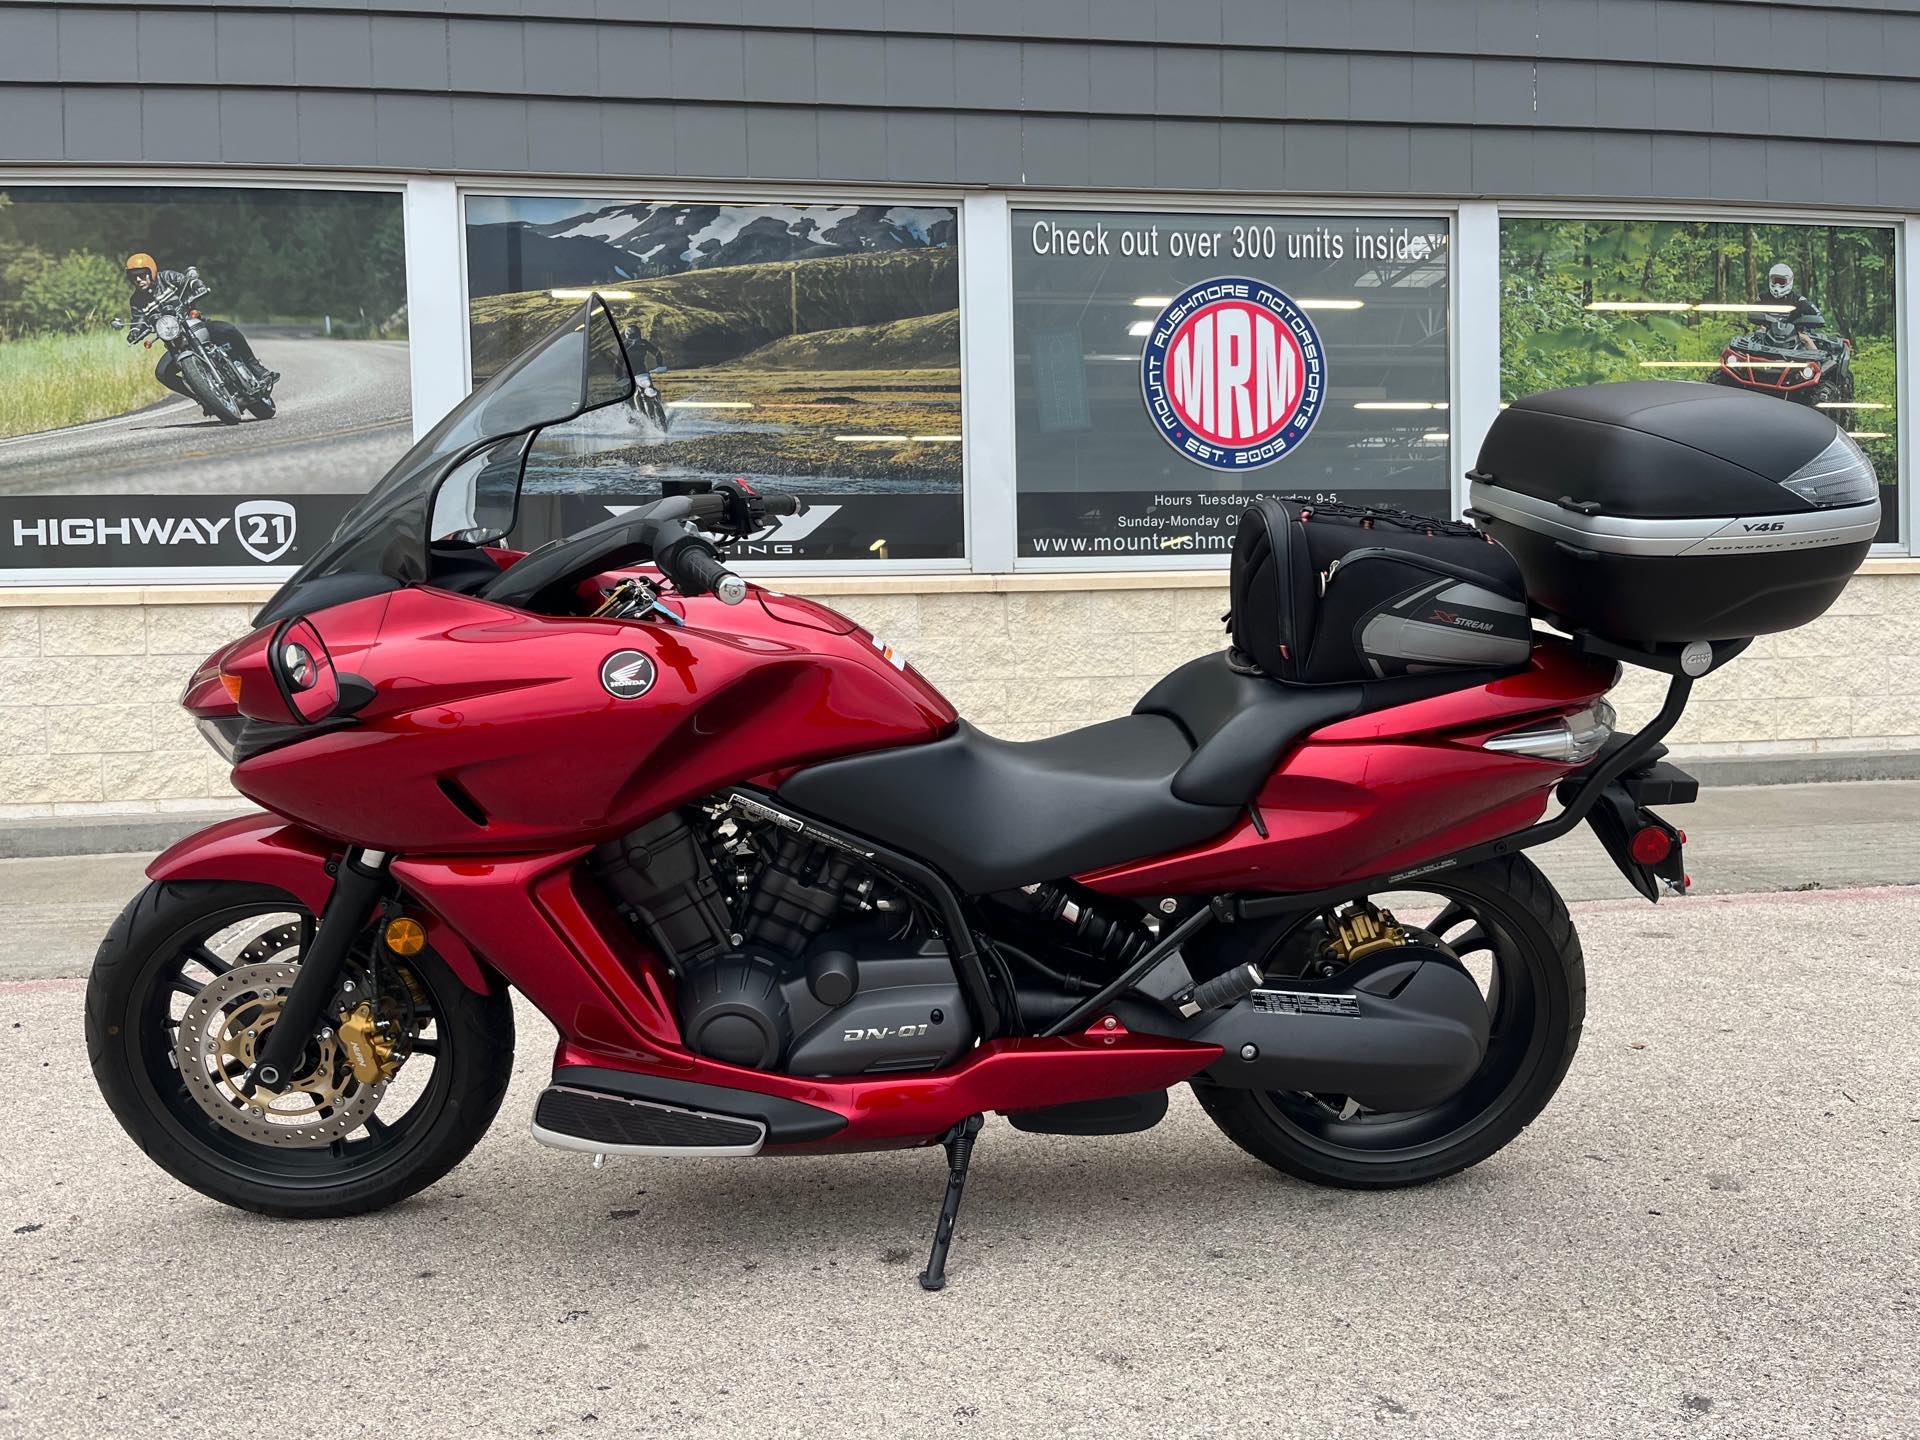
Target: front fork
{"x": 361, "y": 883}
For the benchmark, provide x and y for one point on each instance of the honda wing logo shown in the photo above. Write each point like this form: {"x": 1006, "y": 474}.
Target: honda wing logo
{"x": 264, "y": 528}
{"x": 627, "y": 674}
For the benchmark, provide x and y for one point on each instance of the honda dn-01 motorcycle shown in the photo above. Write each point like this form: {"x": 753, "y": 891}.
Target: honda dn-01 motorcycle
{"x": 226, "y": 385}
{"x": 1776, "y": 358}
{"x": 777, "y": 897}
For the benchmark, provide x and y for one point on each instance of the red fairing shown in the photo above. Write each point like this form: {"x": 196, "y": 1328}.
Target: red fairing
{"x": 1387, "y": 790}
{"x": 265, "y": 850}
{"x": 559, "y": 943}
{"x": 484, "y": 710}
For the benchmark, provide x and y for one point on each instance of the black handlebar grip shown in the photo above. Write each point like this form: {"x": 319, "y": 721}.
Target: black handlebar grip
{"x": 696, "y": 570}
{"x": 778, "y": 502}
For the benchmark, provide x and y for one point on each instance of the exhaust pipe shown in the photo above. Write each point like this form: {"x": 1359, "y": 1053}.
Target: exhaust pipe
{"x": 1405, "y": 1034}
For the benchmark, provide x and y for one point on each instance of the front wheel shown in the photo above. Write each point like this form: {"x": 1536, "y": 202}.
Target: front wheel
{"x": 1513, "y": 934}
{"x": 214, "y": 397}
{"x": 398, "y": 1084}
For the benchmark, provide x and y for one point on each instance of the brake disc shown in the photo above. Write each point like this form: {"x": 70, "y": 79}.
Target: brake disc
{"x": 220, "y": 1035}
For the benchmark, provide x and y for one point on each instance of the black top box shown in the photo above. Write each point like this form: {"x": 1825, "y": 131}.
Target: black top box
{"x": 1656, "y": 512}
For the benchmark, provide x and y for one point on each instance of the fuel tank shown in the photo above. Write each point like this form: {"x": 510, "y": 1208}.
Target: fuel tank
{"x": 493, "y": 730}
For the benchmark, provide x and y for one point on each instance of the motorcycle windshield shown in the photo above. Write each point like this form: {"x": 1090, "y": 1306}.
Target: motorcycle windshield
{"x": 580, "y": 366}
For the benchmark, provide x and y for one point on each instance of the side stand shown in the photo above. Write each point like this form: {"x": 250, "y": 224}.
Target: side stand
{"x": 959, "y": 1143}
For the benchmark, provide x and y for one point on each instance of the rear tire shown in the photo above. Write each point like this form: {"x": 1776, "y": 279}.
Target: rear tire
{"x": 1548, "y": 978}
{"x": 146, "y": 963}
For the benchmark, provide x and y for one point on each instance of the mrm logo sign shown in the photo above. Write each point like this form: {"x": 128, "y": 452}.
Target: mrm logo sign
{"x": 1233, "y": 374}
{"x": 106, "y": 532}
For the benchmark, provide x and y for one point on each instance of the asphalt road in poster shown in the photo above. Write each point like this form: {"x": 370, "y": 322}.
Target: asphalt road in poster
{"x": 343, "y": 418}
{"x": 1713, "y": 1232}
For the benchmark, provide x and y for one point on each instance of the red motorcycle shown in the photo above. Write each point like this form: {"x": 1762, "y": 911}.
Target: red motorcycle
{"x": 777, "y": 897}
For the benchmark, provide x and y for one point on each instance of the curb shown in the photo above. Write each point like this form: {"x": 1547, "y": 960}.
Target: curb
{"x": 103, "y": 834}
{"x": 1718, "y": 771}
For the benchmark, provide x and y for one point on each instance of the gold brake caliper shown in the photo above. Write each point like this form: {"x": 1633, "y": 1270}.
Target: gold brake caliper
{"x": 1360, "y": 930}
{"x": 368, "y": 1051}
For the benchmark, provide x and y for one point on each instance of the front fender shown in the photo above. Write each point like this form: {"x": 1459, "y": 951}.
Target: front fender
{"x": 266, "y": 850}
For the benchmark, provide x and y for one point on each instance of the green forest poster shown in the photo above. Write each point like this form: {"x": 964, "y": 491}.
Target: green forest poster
{"x": 1583, "y": 302}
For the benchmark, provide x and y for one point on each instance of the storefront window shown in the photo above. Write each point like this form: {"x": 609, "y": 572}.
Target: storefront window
{"x": 808, "y": 348}
{"x": 1804, "y": 313}
{"x": 1169, "y": 367}
{"x": 259, "y": 382}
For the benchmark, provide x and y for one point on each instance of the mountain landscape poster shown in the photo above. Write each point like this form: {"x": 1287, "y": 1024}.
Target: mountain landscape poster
{"x": 810, "y": 348}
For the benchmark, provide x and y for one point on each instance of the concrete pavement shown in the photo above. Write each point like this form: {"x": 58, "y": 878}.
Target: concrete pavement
{"x": 1713, "y": 1231}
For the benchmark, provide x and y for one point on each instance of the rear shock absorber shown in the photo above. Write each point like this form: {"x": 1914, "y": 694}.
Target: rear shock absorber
{"x": 1106, "y": 933}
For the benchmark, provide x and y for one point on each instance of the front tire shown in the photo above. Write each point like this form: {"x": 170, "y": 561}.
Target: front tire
{"x": 161, "y": 964}
{"x": 207, "y": 389}
{"x": 1536, "y": 992}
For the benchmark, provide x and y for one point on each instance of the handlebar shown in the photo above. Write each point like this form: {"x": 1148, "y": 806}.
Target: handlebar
{"x": 667, "y": 531}
{"x": 696, "y": 569}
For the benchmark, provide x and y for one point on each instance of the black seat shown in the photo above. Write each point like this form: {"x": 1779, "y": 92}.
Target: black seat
{"x": 994, "y": 814}
{"x": 1240, "y": 725}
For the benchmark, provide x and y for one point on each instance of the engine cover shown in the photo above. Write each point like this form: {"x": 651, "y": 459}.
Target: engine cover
{"x": 732, "y": 1009}
{"x": 906, "y": 1014}
{"x": 906, "y": 1011}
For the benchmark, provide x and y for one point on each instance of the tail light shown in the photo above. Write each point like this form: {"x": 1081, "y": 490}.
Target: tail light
{"x": 1841, "y": 474}
{"x": 1570, "y": 739}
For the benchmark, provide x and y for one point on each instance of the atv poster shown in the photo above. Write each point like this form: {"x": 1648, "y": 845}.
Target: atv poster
{"x": 806, "y": 348}
{"x": 1804, "y": 313}
{"x": 172, "y": 354}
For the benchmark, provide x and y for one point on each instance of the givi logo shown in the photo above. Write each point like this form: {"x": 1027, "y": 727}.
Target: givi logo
{"x": 1233, "y": 374}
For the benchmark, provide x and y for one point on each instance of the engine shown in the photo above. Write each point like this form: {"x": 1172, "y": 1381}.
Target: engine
{"x": 792, "y": 952}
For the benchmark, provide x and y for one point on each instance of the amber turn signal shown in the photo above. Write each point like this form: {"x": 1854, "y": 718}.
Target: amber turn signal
{"x": 230, "y": 684}
{"x": 406, "y": 936}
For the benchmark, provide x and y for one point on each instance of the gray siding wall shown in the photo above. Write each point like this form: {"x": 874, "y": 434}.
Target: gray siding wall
{"x": 1792, "y": 103}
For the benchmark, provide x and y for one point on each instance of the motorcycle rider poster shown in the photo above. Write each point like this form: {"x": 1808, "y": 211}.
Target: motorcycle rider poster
{"x": 1805, "y": 313}
{"x": 170, "y": 353}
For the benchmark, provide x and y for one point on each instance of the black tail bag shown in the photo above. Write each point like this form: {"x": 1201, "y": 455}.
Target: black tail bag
{"x": 1331, "y": 594}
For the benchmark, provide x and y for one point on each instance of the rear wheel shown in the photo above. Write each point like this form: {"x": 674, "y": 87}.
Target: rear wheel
{"x": 186, "y": 987}
{"x": 1512, "y": 932}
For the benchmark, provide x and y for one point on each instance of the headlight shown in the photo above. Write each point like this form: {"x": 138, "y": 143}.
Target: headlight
{"x": 1571, "y": 740}
{"x": 1806, "y": 372}
{"x": 296, "y": 663}
{"x": 167, "y": 327}
{"x": 1841, "y": 474}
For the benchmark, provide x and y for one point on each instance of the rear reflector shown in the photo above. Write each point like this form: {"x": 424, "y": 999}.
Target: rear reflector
{"x": 1650, "y": 845}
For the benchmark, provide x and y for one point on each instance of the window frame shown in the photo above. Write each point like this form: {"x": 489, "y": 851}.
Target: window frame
{"x": 1906, "y": 259}
{"x": 648, "y": 191}
{"x": 84, "y": 177}
{"x": 1189, "y": 203}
